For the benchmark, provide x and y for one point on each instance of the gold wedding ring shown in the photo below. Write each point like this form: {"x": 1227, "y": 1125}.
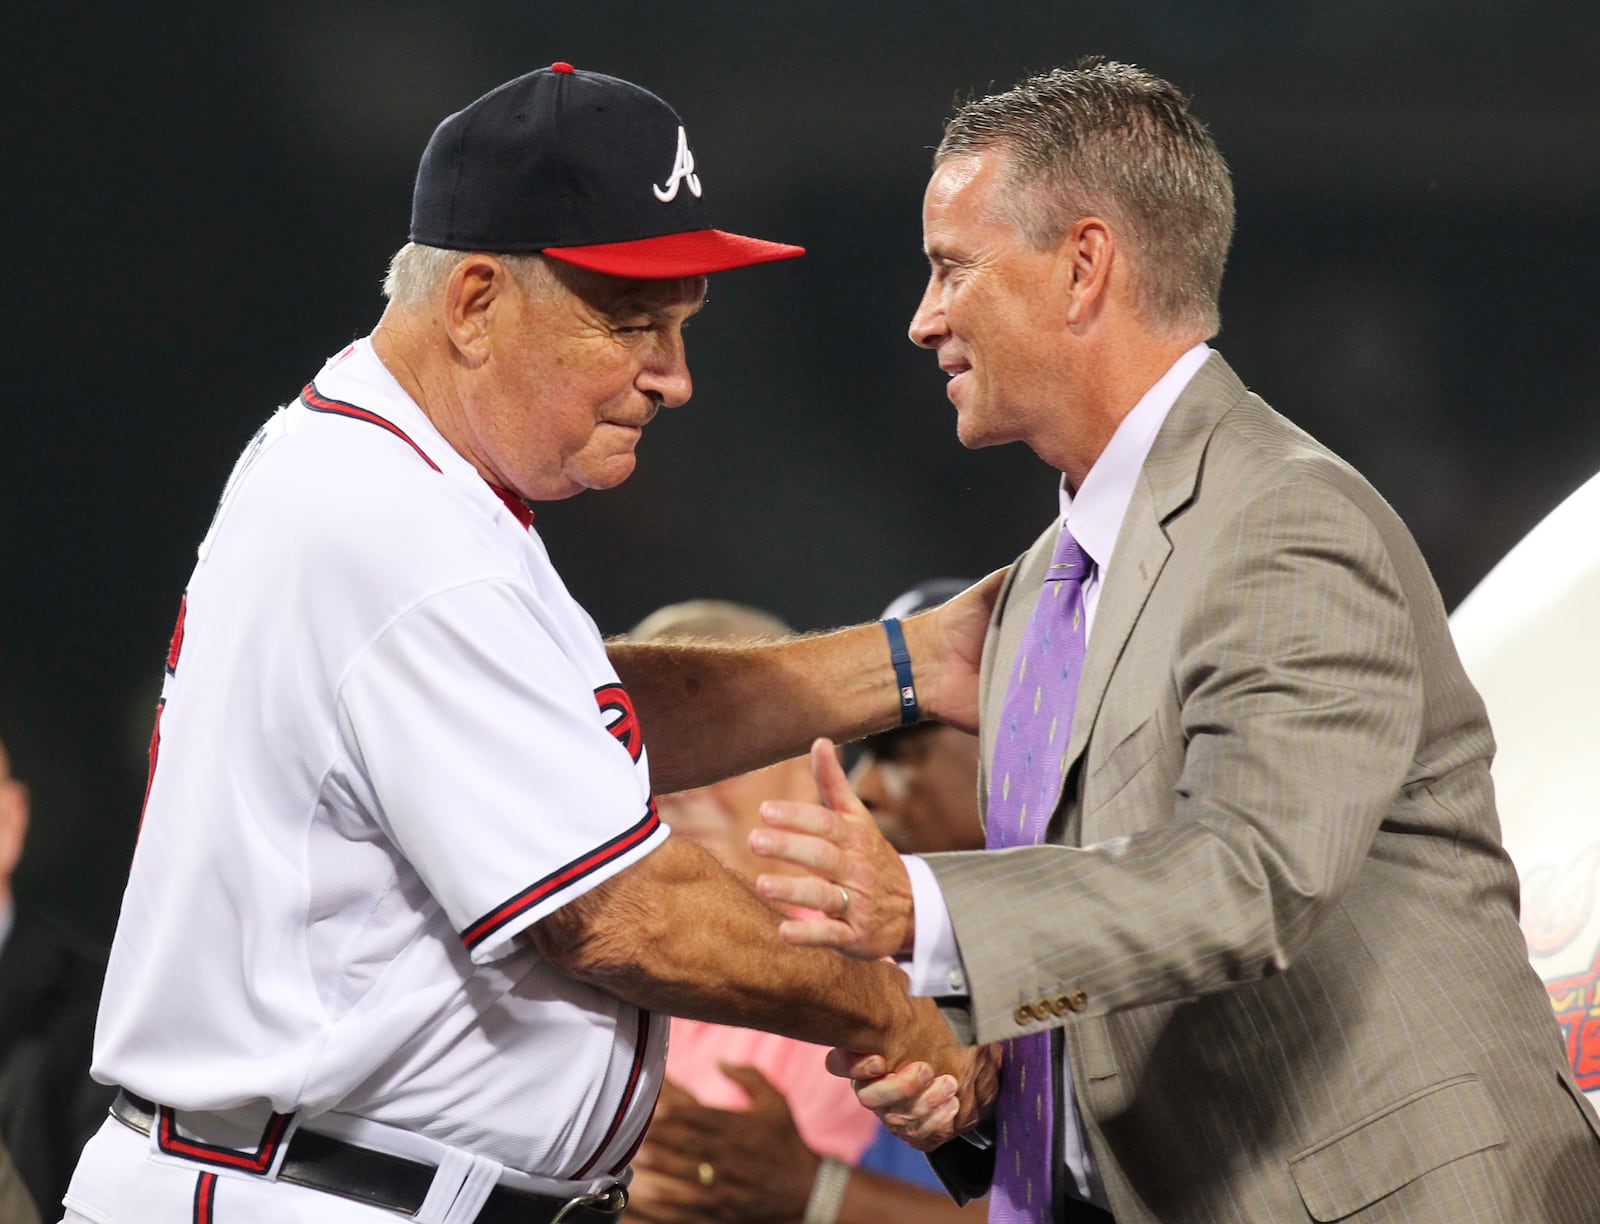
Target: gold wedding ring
{"x": 844, "y": 900}
{"x": 705, "y": 1174}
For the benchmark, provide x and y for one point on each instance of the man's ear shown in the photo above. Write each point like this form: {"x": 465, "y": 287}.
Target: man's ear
{"x": 471, "y": 297}
{"x": 1090, "y": 251}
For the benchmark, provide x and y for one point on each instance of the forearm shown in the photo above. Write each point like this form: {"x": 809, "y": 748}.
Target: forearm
{"x": 679, "y": 933}
{"x": 711, "y": 710}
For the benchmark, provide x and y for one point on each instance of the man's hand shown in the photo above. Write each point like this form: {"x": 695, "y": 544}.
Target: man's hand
{"x": 923, "y": 1108}
{"x": 858, "y": 884}
{"x": 946, "y": 646}
{"x": 704, "y": 1164}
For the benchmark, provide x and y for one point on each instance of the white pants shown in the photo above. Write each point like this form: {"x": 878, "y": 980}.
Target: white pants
{"x": 121, "y": 1180}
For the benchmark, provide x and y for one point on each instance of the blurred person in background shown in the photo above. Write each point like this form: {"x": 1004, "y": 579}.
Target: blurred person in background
{"x": 16, "y": 1206}
{"x": 751, "y": 1127}
{"x": 49, "y": 988}
{"x": 921, "y": 782}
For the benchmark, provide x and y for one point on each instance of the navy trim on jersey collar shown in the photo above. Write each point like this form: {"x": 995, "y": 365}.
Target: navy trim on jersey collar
{"x": 317, "y": 402}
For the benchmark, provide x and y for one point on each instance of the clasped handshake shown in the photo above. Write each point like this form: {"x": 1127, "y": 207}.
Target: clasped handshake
{"x": 856, "y": 898}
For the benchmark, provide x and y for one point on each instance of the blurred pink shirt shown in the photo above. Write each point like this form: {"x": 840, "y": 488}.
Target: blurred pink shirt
{"x": 824, "y": 1106}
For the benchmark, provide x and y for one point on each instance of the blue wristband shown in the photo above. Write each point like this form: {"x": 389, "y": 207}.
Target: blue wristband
{"x": 910, "y": 711}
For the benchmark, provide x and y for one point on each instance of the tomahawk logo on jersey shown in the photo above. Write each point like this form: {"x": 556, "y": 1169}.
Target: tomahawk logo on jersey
{"x": 614, "y": 699}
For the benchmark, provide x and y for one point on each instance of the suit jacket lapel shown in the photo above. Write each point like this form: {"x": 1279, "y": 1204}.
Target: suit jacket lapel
{"x": 1166, "y": 484}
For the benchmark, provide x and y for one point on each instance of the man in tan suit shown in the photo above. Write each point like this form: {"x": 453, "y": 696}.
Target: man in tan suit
{"x": 1272, "y": 930}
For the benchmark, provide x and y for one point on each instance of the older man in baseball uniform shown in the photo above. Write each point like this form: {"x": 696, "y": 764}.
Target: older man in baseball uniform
{"x": 403, "y": 914}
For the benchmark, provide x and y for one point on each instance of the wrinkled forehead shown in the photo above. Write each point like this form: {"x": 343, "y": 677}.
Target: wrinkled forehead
{"x": 954, "y": 174}
{"x": 965, "y": 190}
{"x": 661, "y": 296}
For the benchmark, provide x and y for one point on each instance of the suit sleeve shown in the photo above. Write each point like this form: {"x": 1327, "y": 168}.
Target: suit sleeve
{"x": 1289, "y": 677}
{"x": 967, "y": 1172}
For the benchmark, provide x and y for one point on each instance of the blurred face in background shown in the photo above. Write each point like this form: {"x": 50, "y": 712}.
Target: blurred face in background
{"x": 13, "y": 824}
{"x": 921, "y": 785}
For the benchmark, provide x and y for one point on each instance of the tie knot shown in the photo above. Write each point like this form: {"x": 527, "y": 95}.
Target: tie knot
{"x": 1070, "y": 562}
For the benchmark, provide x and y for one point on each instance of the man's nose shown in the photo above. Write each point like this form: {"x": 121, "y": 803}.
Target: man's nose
{"x": 666, "y": 378}
{"x": 927, "y": 325}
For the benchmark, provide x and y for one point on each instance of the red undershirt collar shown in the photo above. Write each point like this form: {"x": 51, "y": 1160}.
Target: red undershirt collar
{"x": 514, "y": 504}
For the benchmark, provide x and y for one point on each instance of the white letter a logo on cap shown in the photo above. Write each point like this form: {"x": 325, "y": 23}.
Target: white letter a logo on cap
{"x": 682, "y": 172}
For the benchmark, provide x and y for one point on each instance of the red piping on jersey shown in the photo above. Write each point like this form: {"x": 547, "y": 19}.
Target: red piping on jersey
{"x": 561, "y": 877}
{"x": 640, "y": 1040}
{"x": 616, "y": 1169}
{"x": 259, "y": 1161}
{"x": 176, "y": 647}
{"x": 317, "y": 402}
{"x": 155, "y": 751}
{"x": 205, "y": 1199}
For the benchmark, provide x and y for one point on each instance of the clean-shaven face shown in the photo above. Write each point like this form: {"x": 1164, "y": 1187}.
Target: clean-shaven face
{"x": 991, "y": 309}
{"x": 583, "y": 367}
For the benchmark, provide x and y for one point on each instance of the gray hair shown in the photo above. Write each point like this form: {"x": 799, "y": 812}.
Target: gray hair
{"x": 417, "y": 272}
{"x": 1110, "y": 140}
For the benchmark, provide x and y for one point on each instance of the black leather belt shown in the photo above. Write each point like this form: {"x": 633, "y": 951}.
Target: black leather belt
{"x": 395, "y": 1183}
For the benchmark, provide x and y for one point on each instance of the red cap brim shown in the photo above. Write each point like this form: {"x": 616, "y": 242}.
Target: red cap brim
{"x": 694, "y": 253}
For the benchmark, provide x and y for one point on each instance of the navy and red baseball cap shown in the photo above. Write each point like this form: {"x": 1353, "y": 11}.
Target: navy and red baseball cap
{"x": 582, "y": 167}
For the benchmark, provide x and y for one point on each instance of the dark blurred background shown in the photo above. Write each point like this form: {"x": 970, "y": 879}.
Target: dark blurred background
{"x": 204, "y": 197}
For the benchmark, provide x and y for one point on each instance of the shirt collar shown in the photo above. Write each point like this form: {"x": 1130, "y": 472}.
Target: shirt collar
{"x": 359, "y": 369}
{"x": 1096, "y": 512}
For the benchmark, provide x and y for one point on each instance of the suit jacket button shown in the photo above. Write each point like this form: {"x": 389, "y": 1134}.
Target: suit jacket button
{"x": 1022, "y": 1015}
{"x": 1077, "y": 1000}
{"x": 1061, "y": 1005}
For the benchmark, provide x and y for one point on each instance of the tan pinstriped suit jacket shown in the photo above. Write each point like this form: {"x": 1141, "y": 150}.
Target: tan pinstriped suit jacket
{"x": 1275, "y": 872}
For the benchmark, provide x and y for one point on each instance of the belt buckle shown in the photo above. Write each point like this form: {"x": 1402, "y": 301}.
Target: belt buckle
{"x": 613, "y": 1200}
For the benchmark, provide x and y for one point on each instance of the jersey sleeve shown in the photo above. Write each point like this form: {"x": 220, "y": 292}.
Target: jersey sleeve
{"x": 486, "y": 747}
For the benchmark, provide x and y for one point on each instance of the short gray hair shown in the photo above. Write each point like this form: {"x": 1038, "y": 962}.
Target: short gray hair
{"x": 417, "y": 272}
{"x": 1111, "y": 140}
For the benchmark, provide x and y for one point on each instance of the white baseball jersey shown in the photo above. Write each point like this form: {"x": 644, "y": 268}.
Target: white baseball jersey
{"x": 389, "y": 741}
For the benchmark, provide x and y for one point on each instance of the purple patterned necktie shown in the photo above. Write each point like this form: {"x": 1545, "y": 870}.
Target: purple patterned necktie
{"x": 1024, "y": 782}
